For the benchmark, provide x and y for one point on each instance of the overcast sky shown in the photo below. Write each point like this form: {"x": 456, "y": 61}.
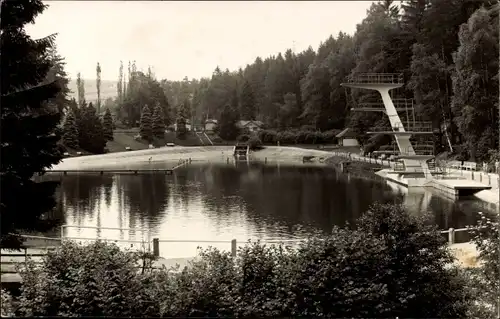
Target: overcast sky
{"x": 187, "y": 38}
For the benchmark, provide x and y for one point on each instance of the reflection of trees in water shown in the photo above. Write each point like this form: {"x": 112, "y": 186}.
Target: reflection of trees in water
{"x": 308, "y": 195}
{"x": 220, "y": 189}
{"x": 289, "y": 196}
{"x": 83, "y": 193}
{"x": 146, "y": 196}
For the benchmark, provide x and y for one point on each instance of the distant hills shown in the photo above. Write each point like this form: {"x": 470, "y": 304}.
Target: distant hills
{"x": 108, "y": 89}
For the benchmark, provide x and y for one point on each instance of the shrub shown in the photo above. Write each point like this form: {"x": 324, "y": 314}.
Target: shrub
{"x": 267, "y": 136}
{"x": 6, "y": 307}
{"x": 243, "y": 138}
{"x": 254, "y": 143}
{"x": 485, "y": 279}
{"x": 94, "y": 280}
{"x": 390, "y": 265}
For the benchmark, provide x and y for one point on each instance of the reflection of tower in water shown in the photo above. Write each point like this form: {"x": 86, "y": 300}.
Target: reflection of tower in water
{"x": 417, "y": 199}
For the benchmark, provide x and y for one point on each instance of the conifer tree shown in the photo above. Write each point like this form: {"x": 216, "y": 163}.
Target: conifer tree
{"x": 146, "y": 125}
{"x": 158, "y": 122}
{"x": 108, "y": 125}
{"x": 91, "y": 131}
{"x": 70, "y": 130}
{"x": 29, "y": 127}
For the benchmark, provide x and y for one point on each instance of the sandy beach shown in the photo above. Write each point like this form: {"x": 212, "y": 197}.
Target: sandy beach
{"x": 167, "y": 157}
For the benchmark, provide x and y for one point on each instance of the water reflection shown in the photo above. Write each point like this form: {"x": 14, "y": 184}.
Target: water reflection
{"x": 243, "y": 200}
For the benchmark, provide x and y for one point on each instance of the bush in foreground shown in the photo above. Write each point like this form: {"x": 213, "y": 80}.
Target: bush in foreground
{"x": 485, "y": 280}
{"x": 390, "y": 265}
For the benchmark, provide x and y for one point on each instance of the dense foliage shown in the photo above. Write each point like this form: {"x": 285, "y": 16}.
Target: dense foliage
{"x": 391, "y": 265}
{"x": 30, "y": 116}
{"x": 447, "y": 51}
{"x": 70, "y": 130}
{"x": 90, "y": 129}
{"x": 486, "y": 236}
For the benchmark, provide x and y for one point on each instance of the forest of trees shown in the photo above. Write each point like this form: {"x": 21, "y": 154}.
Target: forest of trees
{"x": 447, "y": 51}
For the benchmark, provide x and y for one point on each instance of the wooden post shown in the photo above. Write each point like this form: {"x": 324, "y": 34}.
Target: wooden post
{"x": 156, "y": 247}
{"x": 451, "y": 236}
{"x": 265, "y": 160}
{"x": 233, "y": 247}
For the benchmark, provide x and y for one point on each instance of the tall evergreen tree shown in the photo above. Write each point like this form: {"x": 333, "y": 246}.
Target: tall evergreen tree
{"x": 247, "y": 109}
{"x": 158, "y": 122}
{"x": 70, "y": 130}
{"x": 28, "y": 126}
{"x": 119, "y": 84}
{"x": 146, "y": 124}
{"x": 58, "y": 74}
{"x": 98, "y": 86}
{"x": 227, "y": 128}
{"x": 90, "y": 129}
{"x": 80, "y": 86}
{"x": 108, "y": 125}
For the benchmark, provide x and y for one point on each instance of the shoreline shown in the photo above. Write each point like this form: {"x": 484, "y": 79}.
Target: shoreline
{"x": 167, "y": 157}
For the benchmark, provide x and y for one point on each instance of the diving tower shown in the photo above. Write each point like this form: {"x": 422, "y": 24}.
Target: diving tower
{"x": 414, "y": 161}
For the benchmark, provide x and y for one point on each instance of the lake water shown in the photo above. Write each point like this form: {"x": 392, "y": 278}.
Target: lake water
{"x": 241, "y": 201}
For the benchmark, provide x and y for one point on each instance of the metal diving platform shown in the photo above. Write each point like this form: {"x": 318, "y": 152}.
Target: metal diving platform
{"x": 404, "y": 128}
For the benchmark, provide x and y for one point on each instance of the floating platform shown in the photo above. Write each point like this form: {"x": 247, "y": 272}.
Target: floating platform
{"x": 456, "y": 188}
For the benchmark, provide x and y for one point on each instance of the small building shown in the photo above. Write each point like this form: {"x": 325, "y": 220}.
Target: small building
{"x": 250, "y": 126}
{"x": 210, "y": 125}
{"x": 347, "y": 138}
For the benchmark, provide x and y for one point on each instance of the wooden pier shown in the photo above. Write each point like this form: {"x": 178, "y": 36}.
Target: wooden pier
{"x": 129, "y": 171}
{"x": 113, "y": 171}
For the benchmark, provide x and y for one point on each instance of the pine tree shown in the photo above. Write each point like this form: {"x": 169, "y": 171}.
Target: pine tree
{"x": 146, "y": 125}
{"x": 28, "y": 125}
{"x": 58, "y": 74}
{"x": 247, "y": 109}
{"x": 108, "y": 125}
{"x": 227, "y": 124}
{"x": 70, "y": 131}
{"x": 91, "y": 132}
{"x": 158, "y": 122}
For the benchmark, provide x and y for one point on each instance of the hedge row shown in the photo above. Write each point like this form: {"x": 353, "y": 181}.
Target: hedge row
{"x": 297, "y": 137}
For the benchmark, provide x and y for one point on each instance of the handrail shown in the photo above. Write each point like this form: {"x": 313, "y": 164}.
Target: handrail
{"x": 376, "y": 78}
{"x": 109, "y": 228}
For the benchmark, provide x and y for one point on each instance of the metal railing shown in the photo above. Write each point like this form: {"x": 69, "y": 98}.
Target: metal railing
{"x": 452, "y": 231}
{"x": 146, "y": 241}
{"x": 376, "y": 78}
{"x": 400, "y": 104}
{"x": 410, "y": 127}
